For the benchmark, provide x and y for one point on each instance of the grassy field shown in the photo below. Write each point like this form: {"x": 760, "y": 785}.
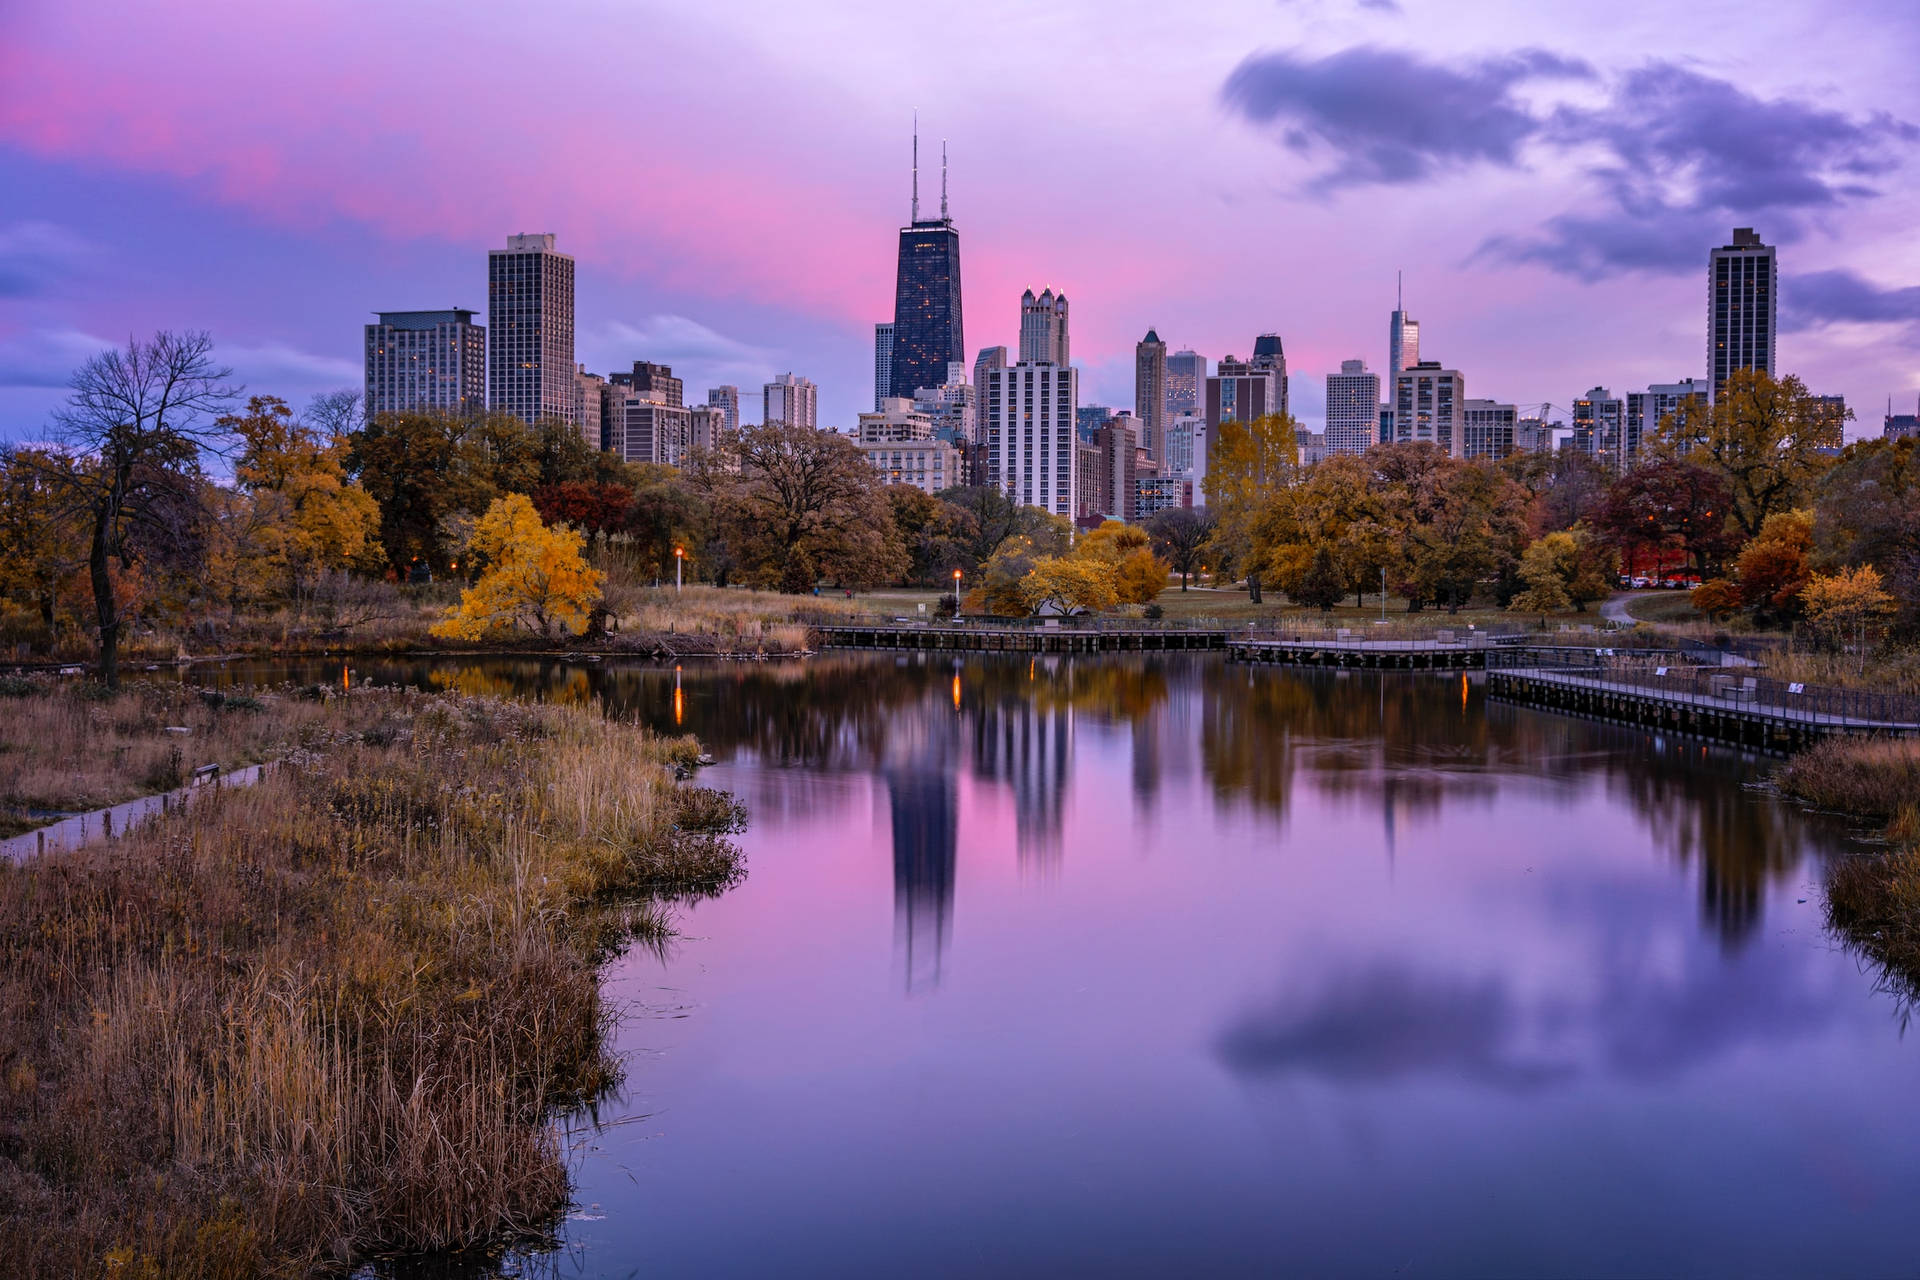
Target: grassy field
{"x": 326, "y": 1018}
{"x": 1664, "y": 607}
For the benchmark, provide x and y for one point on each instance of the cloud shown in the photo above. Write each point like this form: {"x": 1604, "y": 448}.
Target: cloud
{"x": 701, "y": 355}
{"x": 275, "y": 366}
{"x": 1815, "y": 298}
{"x": 37, "y": 255}
{"x": 1391, "y": 117}
{"x": 46, "y": 357}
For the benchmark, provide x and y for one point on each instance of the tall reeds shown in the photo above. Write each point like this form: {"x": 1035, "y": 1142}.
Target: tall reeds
{"x": 327, "y": 1017}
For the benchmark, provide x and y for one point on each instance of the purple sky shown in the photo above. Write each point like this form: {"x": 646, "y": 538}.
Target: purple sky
{"x": 730, "y": 178}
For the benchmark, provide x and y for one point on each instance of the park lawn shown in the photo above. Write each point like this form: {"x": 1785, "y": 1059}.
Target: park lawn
{"x": 1664, "y": 606}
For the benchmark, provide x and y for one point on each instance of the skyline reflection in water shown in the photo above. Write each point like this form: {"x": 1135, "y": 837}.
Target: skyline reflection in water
{"x": 1132, "y": 965}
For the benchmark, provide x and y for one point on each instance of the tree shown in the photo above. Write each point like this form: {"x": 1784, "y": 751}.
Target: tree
{"x": 44, "y": 541}
{"x": 310, "y": 517}
{"x": 1773, "y": 567}
{"x": 1568, "y": 489}
{"x": 1069, "y": 584}
{"x": 935, "y": 534}
{"x": 536, "y": 577}
{"x": 419, "y": 469}
{"x": 997, "y": 585}
{"x": 1321, "y": 587}
{"x": 1669, "y": 505}
{"x": 1762, "y": 434}
{"x": 811, "y": 506}
{"x": 1867, "y": 511}
{"x": 1717, "y": 598}
{"x": 1180, "y": 535}
{"x": 595, "y": 508}
{"x": 1247, "y": 463}
{"x": 997, "y": 517}
{"x": 133, "y": 428}
{"x": 1564, "y": 570}
{"x": 1842, "y": 603}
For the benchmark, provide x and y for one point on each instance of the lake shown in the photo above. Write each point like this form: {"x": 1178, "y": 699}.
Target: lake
{"x": 1163, "y": 965}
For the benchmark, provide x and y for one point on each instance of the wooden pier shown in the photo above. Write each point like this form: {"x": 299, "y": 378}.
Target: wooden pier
{"x": 1469, "y": 653}
{"x": 1017, "y": 639}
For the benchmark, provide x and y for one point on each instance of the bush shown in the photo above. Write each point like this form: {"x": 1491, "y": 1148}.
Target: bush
{"x": 1154, "y": 612}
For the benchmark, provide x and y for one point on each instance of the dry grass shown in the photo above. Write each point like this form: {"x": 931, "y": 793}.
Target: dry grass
{"x": 736, "y": 620}
{"x": 1886, "y": 671}
{"x": 1869, "y": 778}
{"x": 326, "y": 1017}
{"x": 68, "y": 746}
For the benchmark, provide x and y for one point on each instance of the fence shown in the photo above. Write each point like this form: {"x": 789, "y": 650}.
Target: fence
{"x": 1722, "y": 688}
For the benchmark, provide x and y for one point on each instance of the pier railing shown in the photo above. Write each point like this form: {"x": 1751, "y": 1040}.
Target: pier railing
{"x": 1676, "y": 679}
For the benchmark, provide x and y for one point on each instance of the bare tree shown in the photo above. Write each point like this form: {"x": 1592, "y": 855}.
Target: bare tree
{"x": 1180, "y": 535}
{"x": 135, "y": 424}
{"x": 335, "y": 413}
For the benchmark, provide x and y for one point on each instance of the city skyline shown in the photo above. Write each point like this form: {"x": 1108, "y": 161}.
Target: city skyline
{"x": 249, "y": 226}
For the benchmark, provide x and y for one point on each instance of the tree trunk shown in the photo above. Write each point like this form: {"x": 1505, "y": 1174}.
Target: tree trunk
{"x": 104, "y": 605}
{"x": 1253, "y": 588}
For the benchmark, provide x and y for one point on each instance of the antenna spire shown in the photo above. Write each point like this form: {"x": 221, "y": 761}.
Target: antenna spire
{"x": 1399, "y": 298}
{"x": 916, "y": 166}
{"x": 943, "y": 180}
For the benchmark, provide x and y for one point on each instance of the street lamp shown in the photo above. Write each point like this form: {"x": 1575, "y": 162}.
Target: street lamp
{"x": 956, "y": 595}
{"x": 679, "y": 561}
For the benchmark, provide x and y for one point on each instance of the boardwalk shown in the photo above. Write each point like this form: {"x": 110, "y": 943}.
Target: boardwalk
{"x": 975, "y": 637}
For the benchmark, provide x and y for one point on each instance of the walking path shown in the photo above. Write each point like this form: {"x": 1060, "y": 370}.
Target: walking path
{"x": 103, "y": 824}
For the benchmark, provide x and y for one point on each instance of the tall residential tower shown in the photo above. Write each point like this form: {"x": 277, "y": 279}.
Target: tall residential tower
{"x": 433, "y": 360}
{"x": 530, "y": 368}
{"x": 1742, "y": 305}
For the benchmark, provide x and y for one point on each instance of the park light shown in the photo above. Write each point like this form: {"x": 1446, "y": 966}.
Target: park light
{"x": 679, "y": 564}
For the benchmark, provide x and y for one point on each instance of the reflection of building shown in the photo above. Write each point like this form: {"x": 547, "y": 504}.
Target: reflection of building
{"x": 1029, "y": 747}
{"x": 926, "y": 830}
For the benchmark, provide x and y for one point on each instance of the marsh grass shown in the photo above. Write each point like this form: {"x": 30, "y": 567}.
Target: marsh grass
{"x": 326, "y": 1018}
{"x": 1869, "y": 778}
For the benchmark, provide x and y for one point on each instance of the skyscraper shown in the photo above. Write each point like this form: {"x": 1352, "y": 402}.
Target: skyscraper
{"x": 1027, "y": 413}
{"x": 989, "y": 359}
{"x": 1403, "y": 340}
{"x": 1241, "y": 391}
{"x": 1353, "y": 408}
{"x": 1150, "y": 392}
{"x": 1646, "y": 409}
{"x": 793, "y": 400}
{"x": 727, "y": 400}
{"x": 530, "y": 368}
{"x": 432, "y": 360}
{"x": 1489, "y": 429}
{"x": 1427, "y": 405}
{"x": 1186, "y": 383}
{"x": 1043, "y": 328}
{"x": 1742, "y": 305}
{"x": 1270, "y": 356}
{"x": 882, "y": 364}
{"x": 927, "y": 334}
{"x": 1599, "y": 425}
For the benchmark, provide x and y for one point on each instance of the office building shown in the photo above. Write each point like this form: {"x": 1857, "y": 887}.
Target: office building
{"x": 1386, "y": 422}
{"x": 793, "y": 400}
{"x": 1121, "y": 454}
{"x": 1403, "y": 337}
{"x": 1027, "y": 414}
{"x": 989, "y": 359}
{"x": 727, "y": 400}
{"x": 894, "y": 421}
{"x": 1427, "y": 403}
{"x": 1828, "y": 430}
{"x": 589, "y": 401}
{"x": 1646, "y": 410}
{"x": 1153, "y": 494}
{"x": 882, "y": 363}
{"x": 1244, "y": 390}
{"x": 1186, "y": 382}
{"x": 426, "y": 361}
{"x": 1900, "y": 426}
{"x": 952, "y": 407}
{"x": 904, "y": 447}
{"x": 1089, "y": 418}
{"x": 1310, "y": 447}
{"x": 1089, "y": 474}
{"x": 1150, "y": 391}
{"x": 1268, "y": 355}
{"x": 1742, "y": 307}
{"x": 927, "y": 332}
{"x": 1183, "y": 430}
{"x": 1489, "y": 428}
{"x": 1353, "y": 408}
{"x": 530, "y": 367}
{"x": 653, "y": 382}
{"x": 649, "y": 430}
{"x": 1043, "y": 328}
{"x": 1599, "y": 425}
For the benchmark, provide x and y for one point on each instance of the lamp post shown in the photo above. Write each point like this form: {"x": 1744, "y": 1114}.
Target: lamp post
{"x": 956, "y": 595}
{"x": 1383, "y": 596}
{"x": 679, "y": 561}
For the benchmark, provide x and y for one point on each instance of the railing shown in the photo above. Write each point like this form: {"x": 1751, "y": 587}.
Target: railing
{"x": 1722, "y": 688}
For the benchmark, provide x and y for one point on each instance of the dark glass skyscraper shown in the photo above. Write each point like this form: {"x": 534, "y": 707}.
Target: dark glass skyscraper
{"x": 926, "y": 302}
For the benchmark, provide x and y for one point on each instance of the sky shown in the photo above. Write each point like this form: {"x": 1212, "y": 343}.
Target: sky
{"x": 730, "y": 179}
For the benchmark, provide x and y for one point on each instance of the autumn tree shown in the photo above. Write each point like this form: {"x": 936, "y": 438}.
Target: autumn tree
{"x": 936, "y": 535}
{"x": 997, "y": 517}
{"x": 1764, "y": 435}
{"x": 309, "y": 516}
{"x": 809, "y": 507}
{"x": 1718, "y": 598}
{"x": 1669, "y": 504}
{"x": 1139, "y": 575}
{"x": 1564, "y": 570}
{"x": 1180, "y": 535}
{"x": 1774, "y": 567}
{"x": 1867, "y": 512}
{"x": 1844, "y": 603}
{"x": 45, "y": 542}
{"x": 1247, "y": 463}
{"x": 1321, "y": 586}
{"x": 535, "y": 578}
{"x": 132, "y": 430}
{"x": 1070, "y": 584}
{"x": 596, "y": 508}
{"x": 418, "y": 468}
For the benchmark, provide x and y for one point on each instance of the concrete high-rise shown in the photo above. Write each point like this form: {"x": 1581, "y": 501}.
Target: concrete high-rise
{"x": 1600, "y": 425}
{"x": 1150, "y": 392}
{"x": 1742, "y": 307}
{"x": 426, "y": 360}
{"x": 793, "y": 400}
{"x": 1646, "y": 409}
{"x": 1353, "y": 408}
{"x": 882, "y": 364}
{"x": 989, "y": 359}
{"x": 1488, "y": 429}
{"x": 927, "y": 333}
{"x": 589, "y": 407}
{"x": 1428, "y": 401}
{"x": 1186, "y": 383}
{"x": 653, "y": 382}
{"x": 1027, "y": 416}
{"x": 530, "y": 368}
{"x": 727, "y": 400}
{"x": 1043, "y": 328}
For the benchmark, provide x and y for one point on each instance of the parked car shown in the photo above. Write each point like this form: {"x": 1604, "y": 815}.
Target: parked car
{"x": 1641, "y": 584}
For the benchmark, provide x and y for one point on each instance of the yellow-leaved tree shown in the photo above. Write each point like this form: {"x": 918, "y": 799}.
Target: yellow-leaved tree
{"x": 1069, "y": 584}
{"x": 536, "y": 578}
{"x": 1247, "y": 464}
{"x": 1139, "y": 574}
{"x": 1841, "y": 604}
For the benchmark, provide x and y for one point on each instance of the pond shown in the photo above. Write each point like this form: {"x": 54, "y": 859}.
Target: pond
{"x": 1151, "y": 965}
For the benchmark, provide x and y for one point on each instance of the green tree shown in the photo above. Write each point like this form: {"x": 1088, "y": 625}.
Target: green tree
{"x": 1321, "y": 586}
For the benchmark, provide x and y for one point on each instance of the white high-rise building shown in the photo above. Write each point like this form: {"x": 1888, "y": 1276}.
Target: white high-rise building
{"x": 1184, "y": 432}
{"x": 530, "y": 368}
{"x": 882, "y": 362}
{"x": 1427, "y": 405}
{"x": 1742, "y": 307}
{"x": 727, "y": 400}
{"x": 1043, "y": 328}
{"x": 1646, "y": 409}
{"x": 426, "y": 360}
{"x": 1353, "y": 408}
{"x": 1027, "y": 416}
{"x": 791, "y": 399}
